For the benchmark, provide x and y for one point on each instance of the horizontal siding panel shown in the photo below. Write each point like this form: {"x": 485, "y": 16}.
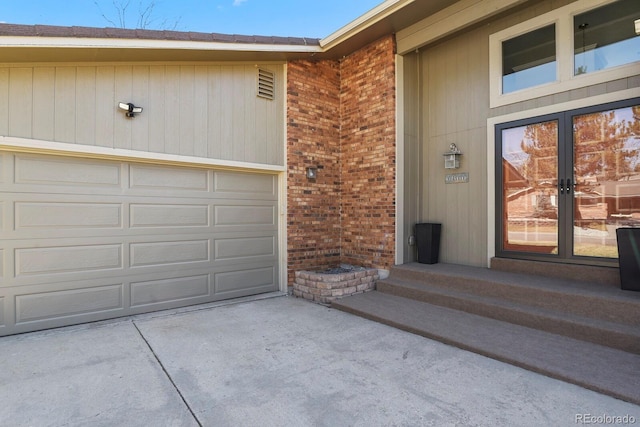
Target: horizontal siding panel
{"x": 51, "y": 305}
{"x": 35, "y": 170}
{"x": 72, "y": 259}
{"x": 67, "y": 215}
{"x": 161, "y": 253}
{"x": 166, "y": 290}
{"x": 169, "y": 215}
{"x": 243, "y": 248}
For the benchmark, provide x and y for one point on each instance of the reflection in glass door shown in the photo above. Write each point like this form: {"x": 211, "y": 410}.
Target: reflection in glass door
{"x": 567, "y": 181}
{"x": 529, "y": 185}
{"x": 607, "y": 179}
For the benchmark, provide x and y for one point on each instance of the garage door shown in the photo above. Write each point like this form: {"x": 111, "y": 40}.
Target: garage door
{"x": 86, "y": 240}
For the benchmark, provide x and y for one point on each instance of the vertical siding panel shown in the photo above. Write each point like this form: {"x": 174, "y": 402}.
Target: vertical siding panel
{"x": 271, "y": 131}
{"x": 261, "y": 137}
{"x": 201, "y": 112}
{"x": 86, "y": 105}
{"x": 238, "y": 107}
{"x": 214, "y": 112}
{"x": 250, "y": 106}
{"x": 20, "y": 101}
{"x": 478, "y": 99}
{"x": 226, "y": 112}
{"x": 44, "y": 80}
{"x": 435, "y": 124}
{"x": 106, "y": 106}
{"x": 156, "y": 109}
{"x": 65, "y": 104}
{"x": 4, "y": 101}
{"x": 186, "y": 109}
{"x": 275, "y": 138}
{"x": 140, "y": 96}
{"x": 462, "y": 141}
{"x": 123, "y": 93}
{"x": 171, "y": 110}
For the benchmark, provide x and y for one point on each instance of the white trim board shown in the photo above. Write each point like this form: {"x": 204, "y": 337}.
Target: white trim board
{"x": 25, "y": 145}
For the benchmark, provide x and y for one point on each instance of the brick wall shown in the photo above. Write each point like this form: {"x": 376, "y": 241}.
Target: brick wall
{"x": 341, "y": 118}
{"x": 313, "y": 139}
{"x": 367, "y": 141}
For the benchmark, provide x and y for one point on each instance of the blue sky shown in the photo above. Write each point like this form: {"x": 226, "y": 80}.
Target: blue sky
{"x": 296, "y": 18}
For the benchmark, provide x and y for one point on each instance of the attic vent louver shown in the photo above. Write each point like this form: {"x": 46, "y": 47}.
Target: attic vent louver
{"x": 266, "y": 84}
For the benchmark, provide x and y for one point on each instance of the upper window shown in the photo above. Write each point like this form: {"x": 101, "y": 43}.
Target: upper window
{"x": 529, "y": 60}
{"x": 584, "y": 43}
{"x": 606, "y": 37}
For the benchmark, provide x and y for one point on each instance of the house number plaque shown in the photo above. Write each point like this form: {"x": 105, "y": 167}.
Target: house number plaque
{"x": 456, "y": 178}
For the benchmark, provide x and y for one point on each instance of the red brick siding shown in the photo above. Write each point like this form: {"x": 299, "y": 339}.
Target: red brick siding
{"x": 313, "y": 139}
{"x": 368, "y": 135}
{"x": 341, "y": 118}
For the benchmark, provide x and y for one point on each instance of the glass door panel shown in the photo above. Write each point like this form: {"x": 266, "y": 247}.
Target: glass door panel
{"x": 606, "y": 165}
{"x": 530, "y": 188}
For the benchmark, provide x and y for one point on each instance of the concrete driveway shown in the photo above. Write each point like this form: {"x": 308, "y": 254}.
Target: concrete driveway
{"x": 275, "y": 361}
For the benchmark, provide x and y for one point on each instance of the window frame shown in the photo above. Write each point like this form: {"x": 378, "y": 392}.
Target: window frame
{"x": 565, "y": 78}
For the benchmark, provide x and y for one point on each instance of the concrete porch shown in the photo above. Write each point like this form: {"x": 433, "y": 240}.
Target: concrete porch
{"x": 580, "y": 328}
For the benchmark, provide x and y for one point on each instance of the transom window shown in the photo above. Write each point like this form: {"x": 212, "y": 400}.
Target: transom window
{"x": 606, "y": 37}
{"x": 529, "y": 60}
{"x": 582, "y": 44}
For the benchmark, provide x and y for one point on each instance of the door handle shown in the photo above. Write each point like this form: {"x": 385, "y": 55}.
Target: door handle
{"x": 561, "y": 186}
{"x": 568, "y": 186}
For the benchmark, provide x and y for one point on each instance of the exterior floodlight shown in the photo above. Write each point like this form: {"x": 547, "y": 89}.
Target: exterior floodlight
{"x": 131, "y": 110}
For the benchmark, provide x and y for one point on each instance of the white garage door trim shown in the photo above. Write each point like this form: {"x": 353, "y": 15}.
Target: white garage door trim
{"x": 87, "y": 239}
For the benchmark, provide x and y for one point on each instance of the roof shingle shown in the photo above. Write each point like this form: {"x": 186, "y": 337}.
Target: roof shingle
{"x": 18, "y": 30}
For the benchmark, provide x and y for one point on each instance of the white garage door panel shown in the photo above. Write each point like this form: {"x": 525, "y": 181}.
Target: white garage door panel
{"x": 166, "y": 178}
{"x": 244, "y": 248}
{"x": 60, "y": 172}
{"x": 67, "y": 215}
{"x": 162, "y": 253}
{"x": 51, "y": 305}
{"x": 154, "y": 292}
{"x": 86, "y": 240}
{"x": 159, "y": 215}
{"x": 68, "y": 259}
{"x": 232, "y": 283}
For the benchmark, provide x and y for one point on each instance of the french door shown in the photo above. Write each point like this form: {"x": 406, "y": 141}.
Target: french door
{"x": 565, "y": 182}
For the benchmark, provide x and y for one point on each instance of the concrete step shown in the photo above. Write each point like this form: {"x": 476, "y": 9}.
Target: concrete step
{"x": 611, "y": 334}
{"x": 573, "y": 297}
{"x": 600, "y": 368}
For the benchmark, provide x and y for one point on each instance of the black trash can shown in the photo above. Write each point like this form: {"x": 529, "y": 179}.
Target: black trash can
{"x": 629, "y": 258}
{"x": 428, "y": 242}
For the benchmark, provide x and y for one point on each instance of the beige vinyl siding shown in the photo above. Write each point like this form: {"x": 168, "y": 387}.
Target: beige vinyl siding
{"x": 454, "y": 91}
{"x": 208, "y": 111}
{"x": 411, "y": 131}
{"x": 453, "y": 85}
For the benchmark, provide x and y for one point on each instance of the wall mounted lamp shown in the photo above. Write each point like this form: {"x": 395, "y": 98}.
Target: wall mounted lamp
{"x": 312, "y": 173}
{"x": 637, "y": 25}
{"x": 452, "y": 157}
{"x": 131, "y": 110}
